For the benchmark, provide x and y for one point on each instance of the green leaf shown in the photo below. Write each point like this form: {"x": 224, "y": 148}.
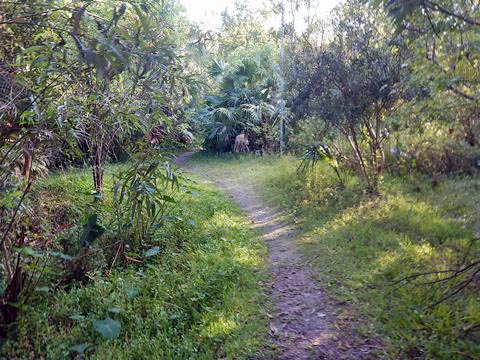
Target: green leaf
{"x": 151, "y": 252}
{"x": 91, "y": 231}
{"x": 44, "y": 289}
{"x": 41, "y": 60}
{"x": 144, "y": 7}
{"x": 168, "y": 199}
{"x": 152, "y": 267}
{"x": 108, "y": 328}
{"x": 32, "y": 49}
{"x": 80, "y": 348}
{"x": 28, "y": 251}
{"x": 61, "y": 255}
{"x": 132, "y": 292}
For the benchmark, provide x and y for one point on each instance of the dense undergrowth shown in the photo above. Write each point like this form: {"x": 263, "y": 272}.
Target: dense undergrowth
{"x": 197, "y": 295}
{"x": 363, "y": 245}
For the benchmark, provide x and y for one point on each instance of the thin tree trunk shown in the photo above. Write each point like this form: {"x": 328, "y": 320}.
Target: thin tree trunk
{"x": 352, "y": 139}
{"x": 6, "y": 259}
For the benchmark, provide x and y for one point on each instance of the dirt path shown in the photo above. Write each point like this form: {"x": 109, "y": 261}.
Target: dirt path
{"x": 303, "y": 323}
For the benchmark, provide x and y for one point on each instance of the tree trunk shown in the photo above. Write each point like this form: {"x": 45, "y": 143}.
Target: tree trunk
{"x": 27, "y": 160}
{"x": 377, "y": 155}
{"x": 97, "y": 171}
{"x": 352, "y": 139}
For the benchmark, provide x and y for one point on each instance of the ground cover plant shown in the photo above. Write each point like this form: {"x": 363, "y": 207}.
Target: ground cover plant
{"x": 364, "y": 249}
{"x": 195, "y": 292}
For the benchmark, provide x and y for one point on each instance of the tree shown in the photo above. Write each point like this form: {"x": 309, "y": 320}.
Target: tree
{"x": 443, "y": 36}
{"x": 130, "y": 70}
{"x": 244, "y": 102}
{"x": 83, "y": 74}
{"x": 351, "y": 85}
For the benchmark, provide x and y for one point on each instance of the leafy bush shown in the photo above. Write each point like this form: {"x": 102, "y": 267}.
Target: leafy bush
{"x": 198, "y": 296}
{"x": 245, "y": 103}
{"x": 142, "y": 195}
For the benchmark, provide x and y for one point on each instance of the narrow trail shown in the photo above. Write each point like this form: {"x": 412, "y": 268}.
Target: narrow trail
{"x": 303, "y": 320}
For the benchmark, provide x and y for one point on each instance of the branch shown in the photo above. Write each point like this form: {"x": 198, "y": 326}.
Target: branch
{"x": 455, "y": 272}
{"x": 457, "y": 288}
{"x": 430, "y": 20}
{"x": 437, "y": 7}
{"x": 473, "y": 268}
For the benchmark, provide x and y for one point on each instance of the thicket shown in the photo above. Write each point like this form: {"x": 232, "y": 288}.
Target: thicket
{"x": 243, "y": 74}
{"x": 392, "y": 89}
{"x": 84, "y": 83}
{"x": 377, "y": 87}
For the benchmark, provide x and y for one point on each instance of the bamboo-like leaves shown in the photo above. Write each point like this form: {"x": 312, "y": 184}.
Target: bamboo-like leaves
{"x": 143, "y": 193}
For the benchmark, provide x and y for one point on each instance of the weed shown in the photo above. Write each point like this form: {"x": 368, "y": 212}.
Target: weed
{"x": 195, "y": 293}
{"x": 362, "y": 245}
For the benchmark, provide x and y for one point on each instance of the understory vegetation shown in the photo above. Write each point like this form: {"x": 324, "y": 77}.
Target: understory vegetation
{"x": 364, "y": 123}
{"x": 196, "y": 292}
{"x": 367, "y": 251}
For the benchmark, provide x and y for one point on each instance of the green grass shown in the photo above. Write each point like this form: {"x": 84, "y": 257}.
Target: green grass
{"x": 361, "y": 245}
{"x": 201, "y": 298}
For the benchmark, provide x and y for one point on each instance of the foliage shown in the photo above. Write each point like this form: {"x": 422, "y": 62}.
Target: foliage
{"x": 142, "y": 195}
{"x": 353, "y": 86}
{"x": 243, "y": 35}
{"x": 442, "y": 36}
{"x": 79, "y": 78}
{"x": 108, "y": 328}
{"x": 98, "y": 73}
{"x": 318, "y": 153}
{"x": 375, "y": 95}
{"x": 362, "y": 246}
{"x": 245, "y": 102}
{"x": 199, "y": 296}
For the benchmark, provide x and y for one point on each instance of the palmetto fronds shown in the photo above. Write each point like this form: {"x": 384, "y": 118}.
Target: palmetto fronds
{"x": 244, "y": 103}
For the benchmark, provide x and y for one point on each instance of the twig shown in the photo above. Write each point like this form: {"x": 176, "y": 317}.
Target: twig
{"x": 115, "y": 258}
{"x": 459, "y": 288}
{"x": 455, "y": 272}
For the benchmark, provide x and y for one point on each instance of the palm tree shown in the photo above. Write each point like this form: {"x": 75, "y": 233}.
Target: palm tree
{"x": 243, "y": 103}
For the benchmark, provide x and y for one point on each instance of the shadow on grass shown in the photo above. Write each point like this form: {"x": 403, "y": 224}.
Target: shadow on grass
{"x": 362, "y": 245}
{"x": 361, "y": 250}
{"x": 201, "y": 297}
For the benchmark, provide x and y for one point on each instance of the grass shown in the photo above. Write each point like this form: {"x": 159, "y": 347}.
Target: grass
{"x": 201, "y": 297}
{"x": 360, "y": 245}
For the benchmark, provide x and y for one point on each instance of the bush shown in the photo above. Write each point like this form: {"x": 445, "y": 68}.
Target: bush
{"x": 193, "y": 293}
